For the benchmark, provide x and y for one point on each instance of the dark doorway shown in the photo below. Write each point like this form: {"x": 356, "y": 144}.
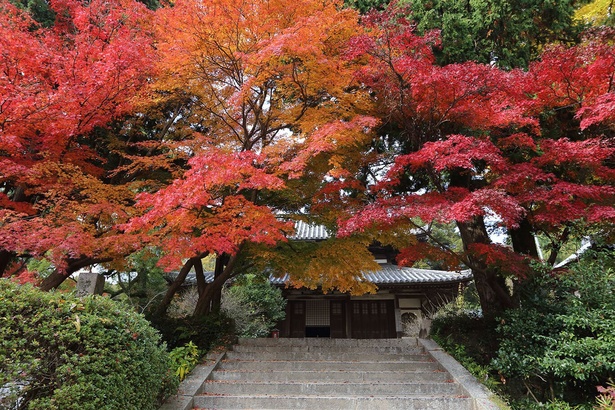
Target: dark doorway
{"x": 317, "y": 331}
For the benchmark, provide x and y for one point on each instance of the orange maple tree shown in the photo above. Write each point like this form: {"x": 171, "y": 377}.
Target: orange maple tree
{"x": 270, "y": 105}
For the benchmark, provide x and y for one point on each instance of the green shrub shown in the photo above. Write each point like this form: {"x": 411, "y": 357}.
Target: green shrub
{"x": 561, "y": 343}
{"x": 483, "y": 373}
{"x": 254, "y": 304}
{"x": 529, "y": 403}
{"x": 184, "y": 359}
{"x": 469, "y": 329}
{"x": 205, "y": 332}
{"x": 61, "y": 352}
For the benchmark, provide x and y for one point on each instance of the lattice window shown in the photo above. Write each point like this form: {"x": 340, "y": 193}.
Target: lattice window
{"x": 317, "y": 313}
{"x": 374, "y": 308}
{"x": 336, "y": 308}
{"x": 298, "y": 308}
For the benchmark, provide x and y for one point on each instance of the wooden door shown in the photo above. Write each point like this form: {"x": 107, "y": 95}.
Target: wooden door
{"x": 358, "y": 323}
{"x": 297, "y": 318}
{"x": 338, "y": 319}
{"x": 373, "y": 319}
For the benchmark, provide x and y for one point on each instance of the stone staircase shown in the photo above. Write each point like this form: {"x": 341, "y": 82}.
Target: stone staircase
{"x": 330, "y": 374}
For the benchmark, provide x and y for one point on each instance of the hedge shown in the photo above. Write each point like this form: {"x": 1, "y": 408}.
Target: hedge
{"x": 58, "y": 351}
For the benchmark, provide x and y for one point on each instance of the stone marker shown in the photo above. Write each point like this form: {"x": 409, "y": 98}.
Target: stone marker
{"x": 90, "y": 283}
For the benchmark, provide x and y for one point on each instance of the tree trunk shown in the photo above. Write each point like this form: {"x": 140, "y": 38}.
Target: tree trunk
{"x": 492, "y": 290}
{"x": 523, "y": 240}
{"x": 221, "y": 262}
{"x": 6, "y": 257}
{"x": 5, "y": 260}
{"x": 205, "y": 302}
{"x": 179, "y": 280}
{"x": 557, "y": 246}
{"x": 200, "y": 275}
{"x": 58, "y": 277}
{"x": 54, "y": 280}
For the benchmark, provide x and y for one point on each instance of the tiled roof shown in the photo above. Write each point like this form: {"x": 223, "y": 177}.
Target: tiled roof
{"x": 400, "y": 275}
{"x": 388, "y": 275}
{"x": 308, "y": 232}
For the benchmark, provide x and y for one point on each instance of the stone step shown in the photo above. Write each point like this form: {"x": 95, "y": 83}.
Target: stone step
{"x": 378, "y": 343}
{"x": 333, "y": 349}
{"x": 268, "y": 365}
{"x": 331, "y": 389}
{"x": 331, "y": 374}
{"x": 396, "y": 402}
{"x": 323, "y": 355}
{"x": 325, "y": 375}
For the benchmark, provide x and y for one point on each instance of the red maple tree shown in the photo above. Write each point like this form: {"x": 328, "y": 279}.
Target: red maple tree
{"x": 57, "y": 86}
{"x": 466, "y": 142}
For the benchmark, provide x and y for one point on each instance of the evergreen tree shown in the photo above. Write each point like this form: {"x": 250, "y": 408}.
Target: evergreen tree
{"x": 511, "y": 32}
